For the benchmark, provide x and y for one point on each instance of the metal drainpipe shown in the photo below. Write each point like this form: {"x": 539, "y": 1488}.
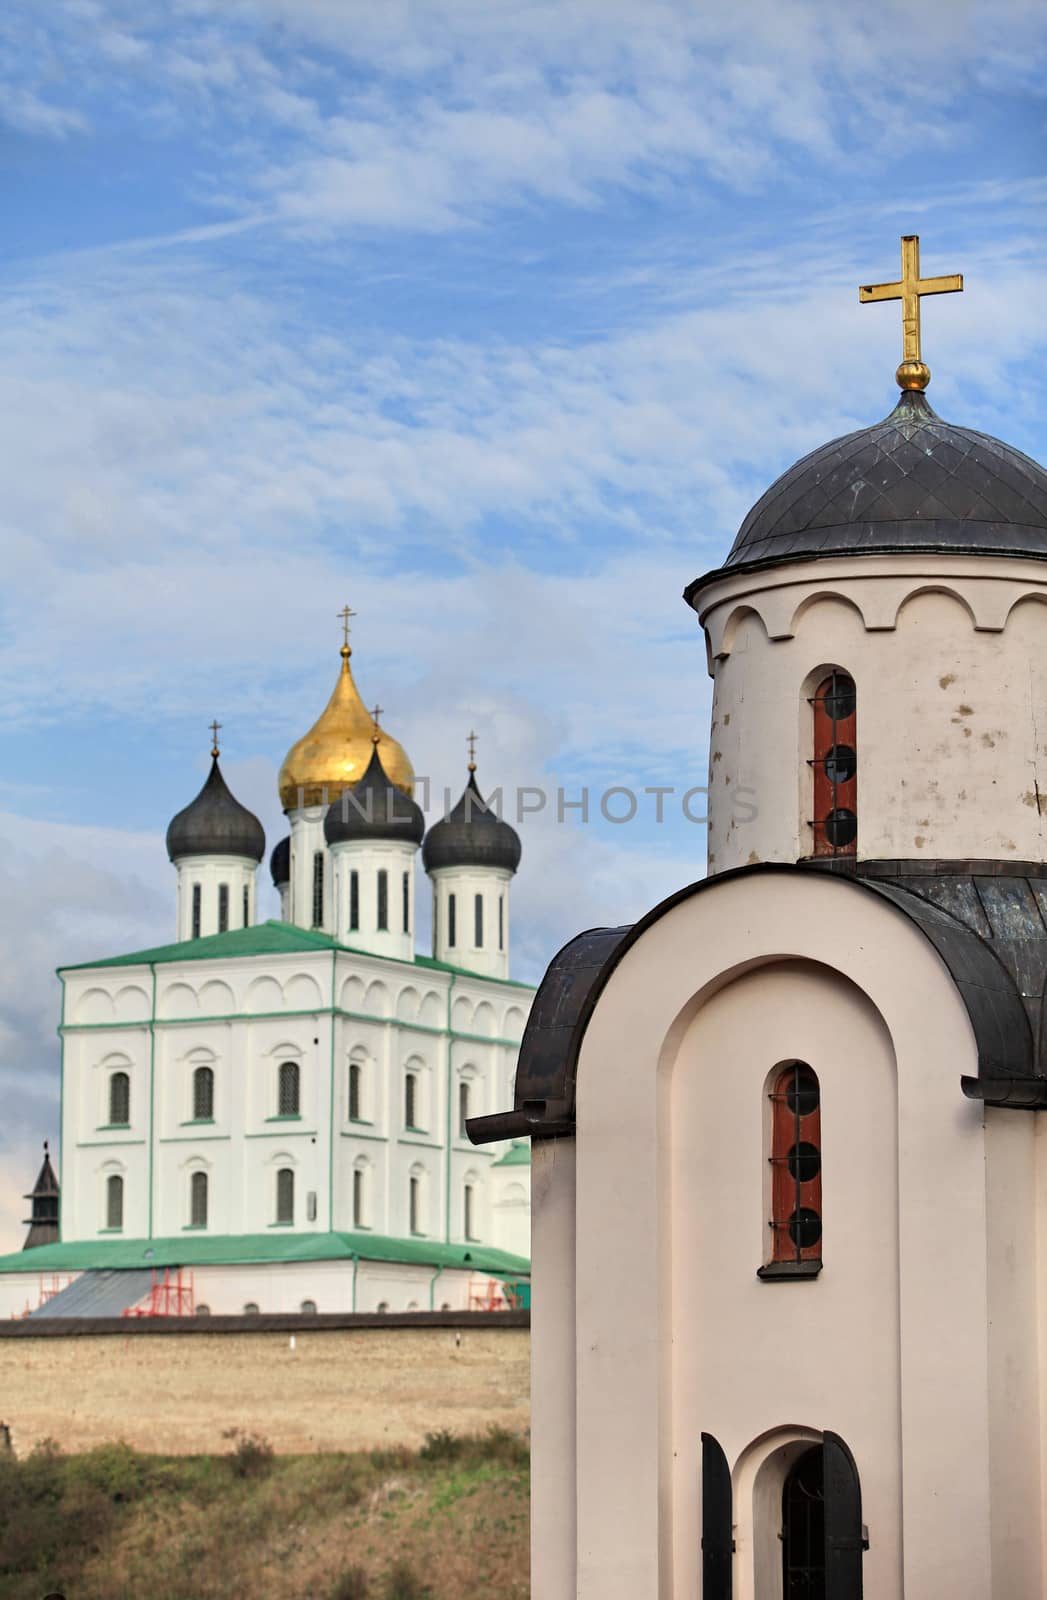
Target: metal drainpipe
{"x": 432, "y": 1288}
{"x": 356, "y": 1263}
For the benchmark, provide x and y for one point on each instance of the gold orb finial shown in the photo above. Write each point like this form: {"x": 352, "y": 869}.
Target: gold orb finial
{"x": 910, "y": 287}
{"x": 344, "y": 616}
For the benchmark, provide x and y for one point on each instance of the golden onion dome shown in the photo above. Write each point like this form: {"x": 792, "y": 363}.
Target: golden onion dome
{"x": 335, "y": 753}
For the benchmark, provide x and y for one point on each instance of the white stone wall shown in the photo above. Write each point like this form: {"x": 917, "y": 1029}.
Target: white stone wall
{"x": 467, "y": 884}
{"x": 949, "y": 658}
{"x": 396, "y": 860}
{"x": 210, "y": 874}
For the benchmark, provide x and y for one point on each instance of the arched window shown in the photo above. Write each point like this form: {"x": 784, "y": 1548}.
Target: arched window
{"x": 414, "y": 1203}
{"x": 251, "y": 1309}
{"x": 223, "y": 908}
{"x": 383, "y": 900}
{"x": 288, "y": 1090}
{"x": 359, "y": 1197}
{"x": 318, "y": 889}
{"x": 308, "y": 1308}
{"x": 247, "y": 906}
{"x": 835, "y": 767}
{"x": 382, "y": 1307}
{"x": 411, "y": 1100}
{"x": 114, "y": 1201}
{"x": 463, "y": 1107}
{"x": 469, "y": 1211}
{"x": 198, "y": 1200}
{"x": 478, "y": 920}
{"x": 796, "y": 1173}
{"x": 203, "y": 1094}
{"x": 501, "y": 922}
{"x": 196, "y": 911}
{"x": 285, "y": 1195}
{"x": 119, "y": 1100}
{"x": 202, "y": 1310}
{"x": 354, "y": 900}
{"x": 407, "y": 901}
{"x": 356, "y": 1073}
{"x": 452, "y": 929}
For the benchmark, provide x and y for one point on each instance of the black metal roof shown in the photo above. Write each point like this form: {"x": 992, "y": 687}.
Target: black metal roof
{"x": 911, "y": 482}
{"x": 471, "y": 835}
{"x": 374, "y": 808}
{"x": 280, "y": 862}
{"x": 988, "y": 925}
{"x": 215, "y": 824}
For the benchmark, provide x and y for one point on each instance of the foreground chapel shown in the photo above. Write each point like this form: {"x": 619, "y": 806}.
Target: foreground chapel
{"x": 280, "y": 1107}
{"x": 790, "y": 1176}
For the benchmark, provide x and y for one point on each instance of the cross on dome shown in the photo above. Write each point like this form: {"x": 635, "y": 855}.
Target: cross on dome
{"x": 214, "y": 726}
{"x": 912, "y": 374}
{"x": 471, "y": 742}
{"x": 345, "y": 614}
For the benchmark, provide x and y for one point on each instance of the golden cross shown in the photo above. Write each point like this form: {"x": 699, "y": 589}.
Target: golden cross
{"x": 345, "y": 614}
{"x": 214, "y": 726}
{"x": 376, "y": 712}
{"x": 912, "y": 374}
{"x": 471, "y": 742}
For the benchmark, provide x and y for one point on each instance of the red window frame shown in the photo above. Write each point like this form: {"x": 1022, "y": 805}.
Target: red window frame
{"x": 835, "y": 766}
{"x": 796, "y": 1146}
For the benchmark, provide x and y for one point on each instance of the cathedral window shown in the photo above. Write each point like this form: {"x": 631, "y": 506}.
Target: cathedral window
{"x": 223, "y": 908}
{"x": 354, "y": 900}
{"x": 469, "y": 1211}
{"x": 196, "y": 910}
{"x": 383, "y": 900}
{"x": 251, "y": 1308}
{"x": 355, "y": 1083}
{"x": 407, "y": 901}
{"x": 359, "y": 1197}
{"x": 198, "y": 1200}
{"x": 835, "y": 767}
{"x": 203, "y": 1094}
{"x": 463, "y": 1108}
{"x": 289, "y": 1090}
{"x": 796, "y": 1173}
{"x": 119, "y": 1100}
{"x": 414, "y": 1204}
{"x": 478, "y": 921}
{"x": 411, "y": 1100}
{"x": 452, "y": 932}
{"x": 308, "y": 1308}
{"x": 285, "y": 1196}
{"x": 501, "y": 922}
{"x": 318, "y": 889}
{"x": 247, "y": 906}
{"x": 114, "y": 1201}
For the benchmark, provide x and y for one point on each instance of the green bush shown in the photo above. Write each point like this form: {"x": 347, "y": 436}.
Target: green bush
{"x": 441, "y": 1446}
{"x": 251, "y": 1455}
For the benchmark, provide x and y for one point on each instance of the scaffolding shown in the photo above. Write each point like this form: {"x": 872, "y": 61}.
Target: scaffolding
{"x": 169, "y": 1296}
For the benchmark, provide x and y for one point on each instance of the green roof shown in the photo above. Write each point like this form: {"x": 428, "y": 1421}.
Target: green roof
{"x": 267, "y": 939}
{"x": 518, "y": 1156}
{"x": 204, "y": 1250}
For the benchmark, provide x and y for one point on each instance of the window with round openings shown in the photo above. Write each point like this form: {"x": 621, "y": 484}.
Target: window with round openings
{"x": 796, "y": 1173}
{"x": 835, "y": 766}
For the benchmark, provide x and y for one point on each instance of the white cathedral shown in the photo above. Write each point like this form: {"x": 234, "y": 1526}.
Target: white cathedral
{"x": 789, "y": 1233}
{"x": 279, "y": 1108}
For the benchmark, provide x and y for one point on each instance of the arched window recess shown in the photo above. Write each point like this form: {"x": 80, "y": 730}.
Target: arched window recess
{"x": 796, "y": 1174}
{"x": 834, "y": 764}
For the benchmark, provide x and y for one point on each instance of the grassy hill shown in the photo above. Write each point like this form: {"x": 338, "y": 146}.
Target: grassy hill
{"x": 447, "y": 1522}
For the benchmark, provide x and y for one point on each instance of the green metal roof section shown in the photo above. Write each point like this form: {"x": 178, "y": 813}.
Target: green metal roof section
{"x": 269, "y": 939}
{"x": 518, "y": 1156}
{"x": 230, "y": 1250}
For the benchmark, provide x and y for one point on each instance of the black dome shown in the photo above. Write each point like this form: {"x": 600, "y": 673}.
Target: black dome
{"x": 471, "y": 836}
{"x": 215, "y": 824}
{"x": 280, "y": 862}
{"x": 374, "y": 808}
{"x": 911, "y": 482}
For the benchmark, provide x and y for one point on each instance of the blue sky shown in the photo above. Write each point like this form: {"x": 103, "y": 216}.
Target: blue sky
{"x": 491, "y": 316}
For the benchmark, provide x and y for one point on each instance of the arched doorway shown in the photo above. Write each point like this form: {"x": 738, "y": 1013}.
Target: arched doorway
{"x": 803, "y": 1527}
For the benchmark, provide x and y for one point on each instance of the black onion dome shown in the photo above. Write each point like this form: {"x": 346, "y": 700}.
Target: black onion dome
{"x": 215, "y": 824}
{"x": 280, "y": 862}
{"x": 911, "y": 482}
{"x": 471, "y": 836}
{"x": 374, "y": 808}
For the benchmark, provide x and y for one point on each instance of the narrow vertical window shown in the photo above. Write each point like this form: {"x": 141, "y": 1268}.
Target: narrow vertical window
{"x": 796, "y": 1169}
{"x": 354, "y": 900}
{"x": 452, "y": 931}
{"x": 414, "y": 1205}
{"x": 501, "y": 922}
{"x": 478, "y": 921}
{"x": 463, "y": 1108}
{"x": 285, "y": 1195}
{"x": 223, "y": 908}
{"x": 355, "y": 1072}
{"x": 247, "y": 906}
{"x": 198, "y": 1200}
{"x": 383, "y": 900}
{"x": 469, "y": 1207}
{"x": 358, "y": 1198}
{"x": 318, "y": 889}
{"x": 203, "y": 1094}
{"x": 411, "y": 1100}
{"x": 289, "y": 1090}
{"x": 114, "y": 1202}
{"x": 196, "y": 910}
{"x": 407, "y": 901}
{"x": 835, "y": 767}
{"x": 119, "y": 1100}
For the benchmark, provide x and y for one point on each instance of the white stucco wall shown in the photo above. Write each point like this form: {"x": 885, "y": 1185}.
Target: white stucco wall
{"x": 210, "y": 873}
{"x": 491, "y": 885}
